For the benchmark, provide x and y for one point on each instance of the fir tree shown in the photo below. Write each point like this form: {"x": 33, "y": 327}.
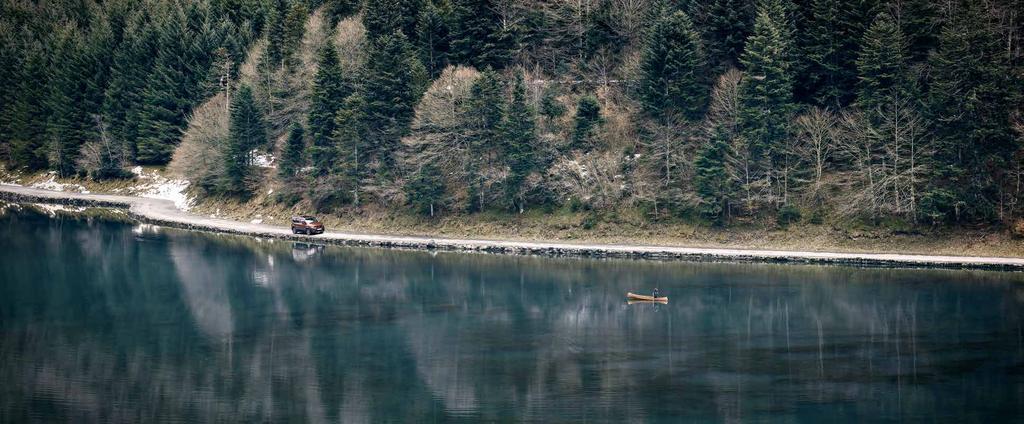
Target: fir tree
{"x": 588, "y": 119}
{"x": 329, "y": 92}
{"x": 969, "y": 102}
{"x": 275, "y": 31}
{"x": 550, "y": 107}
{"x": 294, "y": 148}
{"x": 425, "y": 189}
{"x": 129, "y": 72}
{"x": 830, "y": 44}
{"x": 338, "y": 9}
{"x": 25, "y": 110}
{"x": 349, "y": 135}
{"x": 822, "y": 46}
{"x": 72, "y": 102}
{"x": 247, "y": 132}
{"x": 294, "y": 27}
{"x": 673, "y": 74}
{"x": 711, "y": 181}
{"x": 433, "y": 32}
{"x": 881, "y": 65}
{"x": 384, "y": 17}
{"x": 766, "y": 93}
{"x": 166, "y": 98}
{"x": 479, "y": 38}
{"x": 486, "y": 108}
{"x": 518, "y": 134}
{"x": 393, "y": 84}
{"x": 726, "y": 28}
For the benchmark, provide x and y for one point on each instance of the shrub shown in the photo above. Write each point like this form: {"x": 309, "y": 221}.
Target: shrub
{"x": 787, "y": 214}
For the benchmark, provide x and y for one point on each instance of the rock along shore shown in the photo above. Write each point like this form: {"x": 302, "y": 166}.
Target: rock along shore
{"x": 165, "y": 213}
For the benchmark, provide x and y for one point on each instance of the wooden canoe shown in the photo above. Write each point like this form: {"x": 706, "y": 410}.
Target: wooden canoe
{"x": 643, "y": 302}
{"x": 634, "y": 296}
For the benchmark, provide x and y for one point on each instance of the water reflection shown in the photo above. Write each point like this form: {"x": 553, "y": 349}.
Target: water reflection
{"x": 103, "y": 322}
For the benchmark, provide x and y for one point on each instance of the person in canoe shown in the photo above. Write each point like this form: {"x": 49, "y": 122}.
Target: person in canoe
{"x": 655, "y": 294}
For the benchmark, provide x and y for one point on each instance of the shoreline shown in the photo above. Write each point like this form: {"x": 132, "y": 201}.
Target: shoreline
{"x": 165, "y": 213}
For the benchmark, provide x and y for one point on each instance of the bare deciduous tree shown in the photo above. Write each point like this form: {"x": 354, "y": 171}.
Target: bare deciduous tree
{"x": 199, "y": 157}
{"x": 816, "y": 142}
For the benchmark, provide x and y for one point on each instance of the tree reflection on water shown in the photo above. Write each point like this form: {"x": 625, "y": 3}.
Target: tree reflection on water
{"x": 103, "y": 323}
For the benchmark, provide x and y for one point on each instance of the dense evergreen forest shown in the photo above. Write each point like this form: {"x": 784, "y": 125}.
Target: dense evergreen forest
{"x": 720, "y": 110}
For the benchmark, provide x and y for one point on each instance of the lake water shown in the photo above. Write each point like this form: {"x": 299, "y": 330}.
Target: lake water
{"x": 118, "y": 322}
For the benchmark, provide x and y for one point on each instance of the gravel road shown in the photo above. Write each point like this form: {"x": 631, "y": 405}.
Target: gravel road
{"x": 164, "y": 212}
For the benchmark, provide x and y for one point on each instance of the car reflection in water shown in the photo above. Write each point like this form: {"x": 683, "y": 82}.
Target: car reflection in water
{"x": 144, "y": 231}
{"x": 302, "y": 252}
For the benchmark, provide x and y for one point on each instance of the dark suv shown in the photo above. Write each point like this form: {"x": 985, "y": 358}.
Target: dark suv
{"x": 306, "y": 225}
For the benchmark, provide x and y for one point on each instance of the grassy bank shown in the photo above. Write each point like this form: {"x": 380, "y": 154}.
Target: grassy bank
{"x": 629, "y": 226}
{"x": 622, "y": 226}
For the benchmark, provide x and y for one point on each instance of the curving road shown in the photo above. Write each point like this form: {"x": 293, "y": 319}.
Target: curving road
{"x": 164, "y": 212}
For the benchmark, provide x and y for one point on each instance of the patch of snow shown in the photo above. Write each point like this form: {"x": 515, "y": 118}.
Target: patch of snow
{"x": 271, "y": 191}
{"x": 52, "y": 184}
{"x": 53, "y": 209}
{"x": 262, "y": 160}
{"x": 156, "y": 186}
{"x": 256, "y": 221}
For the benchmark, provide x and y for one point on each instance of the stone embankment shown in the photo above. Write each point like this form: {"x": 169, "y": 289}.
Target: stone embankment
{"x": 165, "y": 213}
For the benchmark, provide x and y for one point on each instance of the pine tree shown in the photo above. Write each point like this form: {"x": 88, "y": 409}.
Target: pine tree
{"x": 425, "y": 189}
{"x": 384, "y": 17}
{"x": 822, "y": 47}
{"x": 349, "y": 135}
{"x": 392, "y": 87}
{"x": 918, "y": 20}
{"x": 830, "y": 44}
{"x": 275, "y": 31}
{"x": 338, "y": 9}
{"x": 766, "y": 93}
{"x": 711, "y": 181}
{"x": 518, "y": 134}
{"x": 294, "y": 27}
{"x": 485, "y": 110}
{"x": 479, "y": 38}
{"x": 294, "y": 148}
{"x": 550, "y": 107}
{"x": 433, "y": 32}
{"x": 969, "y": 105}
{"x": 247, "y": 132}
{"x": 25, "y": 109}
{"x": 123, "y": 101}
{"x": 673, "y": 73}
{"x": 588, "y": 119}
{"x": 881, "y": 66}
{"x": 329, "y": 93}
{"x": 74, "y": 99}
{"x": 727, "y": 25}
{"x": 166, "y": 98}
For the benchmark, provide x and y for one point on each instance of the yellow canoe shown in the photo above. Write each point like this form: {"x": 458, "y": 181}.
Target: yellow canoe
{"x": 643, "y": 298}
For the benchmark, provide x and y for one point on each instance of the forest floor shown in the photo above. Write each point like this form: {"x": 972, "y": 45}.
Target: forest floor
{"x": 616, "y": 227}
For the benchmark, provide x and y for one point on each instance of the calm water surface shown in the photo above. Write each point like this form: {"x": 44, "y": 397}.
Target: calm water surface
{"x": 115, "y": 322}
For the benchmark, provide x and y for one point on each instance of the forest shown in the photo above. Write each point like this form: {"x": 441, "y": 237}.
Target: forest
{"x": 718, "y": 111}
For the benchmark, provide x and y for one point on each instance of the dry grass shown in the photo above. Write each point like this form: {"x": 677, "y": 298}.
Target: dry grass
{"x": 613, "y": 226}
{"x": 630, "y": 226}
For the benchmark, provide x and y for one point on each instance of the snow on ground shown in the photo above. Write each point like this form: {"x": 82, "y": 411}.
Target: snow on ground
{"x": 156, "y": 186}
{"x": 262, "y": 160}
{"x": 52, "y": 184}
{"x": 52, "y": 209}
